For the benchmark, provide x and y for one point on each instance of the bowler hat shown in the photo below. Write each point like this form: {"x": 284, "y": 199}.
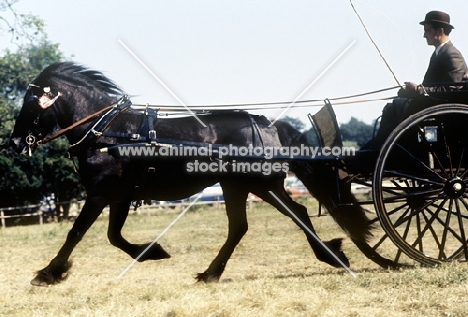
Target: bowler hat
{"x": 438, "y": 17}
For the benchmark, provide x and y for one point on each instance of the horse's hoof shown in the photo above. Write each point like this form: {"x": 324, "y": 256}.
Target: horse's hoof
{"x": 49, "y": 276}
{"x": 38, "y": 281}
{"x": 156, "y": 252}
{"x": 45, "y": 279}
{"x": 339, "y": 259}
{"x": 207, "y": 278}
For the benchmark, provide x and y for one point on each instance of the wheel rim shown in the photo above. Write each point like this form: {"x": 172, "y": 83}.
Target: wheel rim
{"x": 420, "y": 185}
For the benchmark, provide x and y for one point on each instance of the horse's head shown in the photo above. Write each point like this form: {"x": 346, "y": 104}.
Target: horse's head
{"x": 36, "y": 118}
{"x": 63, "y": 93}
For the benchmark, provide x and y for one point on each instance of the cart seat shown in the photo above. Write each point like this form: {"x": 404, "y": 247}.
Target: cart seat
{"x": 326, "y": 127}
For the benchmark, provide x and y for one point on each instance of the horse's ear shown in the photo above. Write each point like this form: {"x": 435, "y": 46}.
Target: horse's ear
{"x": 45, "y": 101}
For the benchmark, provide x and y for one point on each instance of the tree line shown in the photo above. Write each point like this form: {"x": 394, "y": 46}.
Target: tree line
{"x": 353, "y": 133}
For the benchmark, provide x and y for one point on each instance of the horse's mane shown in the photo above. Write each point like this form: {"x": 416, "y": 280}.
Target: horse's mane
{"x": 73, "y": 74}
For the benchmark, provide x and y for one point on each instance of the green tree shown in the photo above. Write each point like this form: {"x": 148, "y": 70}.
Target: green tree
{"x": 295, "y": 122}
{"x": 19, "y": 27}
{"x": 23, "y": 179}
{"x": 356, "y": 131}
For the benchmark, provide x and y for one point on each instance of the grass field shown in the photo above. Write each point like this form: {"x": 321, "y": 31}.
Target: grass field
{"x": 273, "y": 272}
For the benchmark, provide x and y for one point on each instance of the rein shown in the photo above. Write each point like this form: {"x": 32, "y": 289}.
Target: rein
{"x": 202, "y": 109}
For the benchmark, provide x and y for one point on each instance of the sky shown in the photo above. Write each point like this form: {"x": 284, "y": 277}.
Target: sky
{"x": 211, "y": 52}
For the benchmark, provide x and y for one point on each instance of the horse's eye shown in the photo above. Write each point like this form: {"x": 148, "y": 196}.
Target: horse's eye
{"x": 32, "y": 98}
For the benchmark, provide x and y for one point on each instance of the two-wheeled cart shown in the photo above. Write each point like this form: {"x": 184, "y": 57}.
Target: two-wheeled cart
{"x": 418, "y": 179}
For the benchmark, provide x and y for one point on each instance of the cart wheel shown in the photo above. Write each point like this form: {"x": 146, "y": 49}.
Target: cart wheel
{"x": 420, "y": 185}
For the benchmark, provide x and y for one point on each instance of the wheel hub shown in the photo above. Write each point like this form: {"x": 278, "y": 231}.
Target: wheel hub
{"x": 455, "y": 187}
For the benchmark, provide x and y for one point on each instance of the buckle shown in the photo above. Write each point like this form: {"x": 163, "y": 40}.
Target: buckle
{"x": 135, "y": 137}
{"x": 96, "y": 133}
{"x": 152, "y": 135}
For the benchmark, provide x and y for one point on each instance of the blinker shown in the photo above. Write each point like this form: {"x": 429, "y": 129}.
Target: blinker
{"x": 46, "y": 90}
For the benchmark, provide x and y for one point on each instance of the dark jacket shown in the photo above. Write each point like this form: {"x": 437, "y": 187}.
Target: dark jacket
{"x": 448, "y": 66}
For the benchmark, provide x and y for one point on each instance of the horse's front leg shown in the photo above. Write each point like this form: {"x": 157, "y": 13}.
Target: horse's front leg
{"x": 235, "y": 200}
{"x": 117, "y": 216}
{"x": 57, "y": 269}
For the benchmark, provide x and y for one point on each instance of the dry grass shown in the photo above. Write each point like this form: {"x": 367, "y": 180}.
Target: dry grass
{"x": 272, "y": 273}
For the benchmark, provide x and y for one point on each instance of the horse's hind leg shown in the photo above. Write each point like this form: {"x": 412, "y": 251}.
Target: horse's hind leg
{"x": 117, "y": 216}
{"x": 328, "y": 252}
{"x": 56, "y": 270}
{"x": 235, "y": 198}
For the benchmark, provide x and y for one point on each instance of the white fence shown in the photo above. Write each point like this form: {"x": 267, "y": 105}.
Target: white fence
{"x": 75, "y": 208}
{"x": 34, "y": 210}
{"x": 40, "y": 211}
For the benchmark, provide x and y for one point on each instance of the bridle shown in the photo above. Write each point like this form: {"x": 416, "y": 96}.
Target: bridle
{"x": 47, "y": 99}
{"x": 44, "y": 101}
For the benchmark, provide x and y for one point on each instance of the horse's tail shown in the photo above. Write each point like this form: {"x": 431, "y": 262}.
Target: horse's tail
{"x": 322, "y": 182}
{"x": 321, "y": 179}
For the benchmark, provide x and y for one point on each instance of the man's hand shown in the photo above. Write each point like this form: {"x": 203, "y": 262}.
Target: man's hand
{"x": 410, "y": 90}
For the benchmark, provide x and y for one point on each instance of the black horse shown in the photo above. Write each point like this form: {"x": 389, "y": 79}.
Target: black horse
{"x": 65, "y": 93}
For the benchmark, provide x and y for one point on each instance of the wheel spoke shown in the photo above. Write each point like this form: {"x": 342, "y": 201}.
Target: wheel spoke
{"x": 398, "y": 255}
{"x": 429, "y": 222}
{"x": 433, "y": 234}
{"x": 383, "y": 238}
{"x": 408, "y": 223}
{"x": 463, "y": 175}
{"x": 390, "y": 173}
{"x": 379, "y": 243}
{"x": 446, "y": 227}
{"x": 398, "y": 208}
{"x": 443, "y": 224}
{"x": 424, "y": 165}
{"x": 425, "y": 193}
{"x": 447, "y": 210}
{"x": 461, "y": 159}
{"x": 460, "y": 237}
{"x": 447, "y": 149}
{"x": 462, "y": 229}
{"x": 415, "y": 211}
{"x": 405, "y": 217}
{"x": 435, "y": 216}
{"x": 441, "y": 166}
{"x": 418, "y": 230}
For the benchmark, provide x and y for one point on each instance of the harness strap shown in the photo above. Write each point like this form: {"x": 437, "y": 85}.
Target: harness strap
{"x": 71, "y": 127}
{"x": 256, "y": 131}
{"x": 146, "y": 132}
{"x": 151, "y": 115}
{"x": 124, "y": 135}
{"x": 96, "y": 130}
